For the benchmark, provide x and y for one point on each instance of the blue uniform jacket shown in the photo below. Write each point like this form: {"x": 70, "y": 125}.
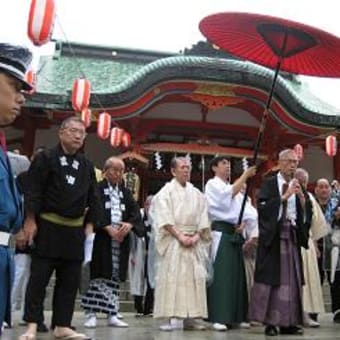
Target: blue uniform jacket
{"x": 10, "y": 222}
{"x": 10, "y": 200}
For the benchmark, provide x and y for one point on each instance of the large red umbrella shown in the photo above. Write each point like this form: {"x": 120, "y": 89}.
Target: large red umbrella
{"x": 275, "y": 43}
{"x": 267, "y": 40}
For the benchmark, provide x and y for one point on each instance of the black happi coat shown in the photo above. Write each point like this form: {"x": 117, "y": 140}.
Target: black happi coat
{"x": 101, "y": 264}
{"x": 65, "y": 185}
{"x": 267, "y": 269}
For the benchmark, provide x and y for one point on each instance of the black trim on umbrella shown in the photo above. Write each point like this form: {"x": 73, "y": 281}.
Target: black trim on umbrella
{"x": 297, "y": 40}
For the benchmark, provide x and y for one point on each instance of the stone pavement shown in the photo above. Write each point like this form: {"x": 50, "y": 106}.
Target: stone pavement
{"x": 147, "y": 329}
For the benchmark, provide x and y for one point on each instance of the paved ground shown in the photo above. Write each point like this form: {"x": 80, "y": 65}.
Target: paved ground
{"x": 147, "y": 329}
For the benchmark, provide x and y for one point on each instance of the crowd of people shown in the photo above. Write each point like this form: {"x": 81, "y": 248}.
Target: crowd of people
{"x": 189, "y": 259}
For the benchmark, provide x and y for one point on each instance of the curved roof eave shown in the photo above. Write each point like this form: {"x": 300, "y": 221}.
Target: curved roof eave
{"x": 309, "y": 110}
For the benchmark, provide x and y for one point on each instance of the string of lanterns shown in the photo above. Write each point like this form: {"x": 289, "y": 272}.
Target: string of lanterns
{"x": 81, "y": 93}
{"x": 31, "y": 78}
{"x": 86, "y": 117}
{"x": 104, "y": 125}
{"x": 299, "y": 151}
{"x": 116, "y": 136}
{"x": 41, "y": 21}
{"x": 331, "y": 146}
{"x": 42, "y": 15}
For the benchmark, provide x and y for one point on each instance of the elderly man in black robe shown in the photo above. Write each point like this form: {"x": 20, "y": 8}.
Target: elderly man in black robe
{"x": 111, "y": 246}
{"x": 61, "y": 188}
{"x": 284, "y": 217}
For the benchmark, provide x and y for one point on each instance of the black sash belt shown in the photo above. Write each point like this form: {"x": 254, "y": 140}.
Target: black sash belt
{"x": 224, "y": 227}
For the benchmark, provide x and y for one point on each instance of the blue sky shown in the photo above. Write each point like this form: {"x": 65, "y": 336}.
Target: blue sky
{"x": 162, "y": 25}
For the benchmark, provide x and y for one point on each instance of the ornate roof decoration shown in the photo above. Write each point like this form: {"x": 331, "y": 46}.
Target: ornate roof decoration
{"x": 204, "y": 48}
{"x": 214, "y": 96}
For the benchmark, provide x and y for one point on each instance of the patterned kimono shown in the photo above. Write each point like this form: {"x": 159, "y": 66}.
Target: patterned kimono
{"x": 103, "y": 294}
{"x": 181, "y": 275}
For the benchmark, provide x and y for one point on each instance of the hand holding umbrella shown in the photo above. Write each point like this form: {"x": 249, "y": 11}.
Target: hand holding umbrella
{"x": 275, "y": 43}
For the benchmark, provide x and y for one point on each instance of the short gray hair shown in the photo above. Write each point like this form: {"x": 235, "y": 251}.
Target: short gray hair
{"x": 175, "y": 160}
{"x": 284, "y": 153}
{"x": 302, "y": 173}
{"x": 64, "y": 124}
{"x": 108, "y": 163}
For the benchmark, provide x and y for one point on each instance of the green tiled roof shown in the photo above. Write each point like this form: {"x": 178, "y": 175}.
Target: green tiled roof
{"x": 118, "y": 76}
{"x": 56, "y": 75}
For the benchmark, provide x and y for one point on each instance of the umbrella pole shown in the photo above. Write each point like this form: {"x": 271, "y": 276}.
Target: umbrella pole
{"x": 265, "y": 113}
{"x": 203, "y": 171}
{"x": 260, "y": 135}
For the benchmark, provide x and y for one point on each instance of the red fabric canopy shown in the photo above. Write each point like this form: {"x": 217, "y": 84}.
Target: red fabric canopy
{"x": 266, "y": 40}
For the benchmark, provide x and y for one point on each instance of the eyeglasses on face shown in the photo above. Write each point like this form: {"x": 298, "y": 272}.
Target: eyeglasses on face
{"x": 75, "y": 131}
{"x": 289, "y": 160}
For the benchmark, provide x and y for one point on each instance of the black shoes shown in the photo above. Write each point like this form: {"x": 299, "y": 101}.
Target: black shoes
{"x": 271, "y": 331}
{"x": 291, "y": 330}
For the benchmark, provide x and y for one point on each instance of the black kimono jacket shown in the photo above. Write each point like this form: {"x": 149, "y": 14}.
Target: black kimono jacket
{"x": 101, "y": 264}
{"x": 267, "y": 269}
{"x": 65, "y": 185}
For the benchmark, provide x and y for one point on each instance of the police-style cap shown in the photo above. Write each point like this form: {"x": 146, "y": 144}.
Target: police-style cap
{"x": 15, "y": 60}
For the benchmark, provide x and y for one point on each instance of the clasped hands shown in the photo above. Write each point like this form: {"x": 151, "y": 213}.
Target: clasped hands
{"x": 119, "y": 233}
{"x": 188, "y": 240}
{"x": 294, "y": 188}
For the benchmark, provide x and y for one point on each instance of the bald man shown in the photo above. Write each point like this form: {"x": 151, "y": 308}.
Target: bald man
{"x": 120, "y": 215}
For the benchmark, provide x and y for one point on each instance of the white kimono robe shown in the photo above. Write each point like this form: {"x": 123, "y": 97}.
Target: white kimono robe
{"x": 312, "y": 291}
{"x": 222, "y": 206}
{"x": 181, "y": 275}
{"x": 137, "y": 265}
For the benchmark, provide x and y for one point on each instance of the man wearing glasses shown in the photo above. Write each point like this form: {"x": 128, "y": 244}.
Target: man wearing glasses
{"x": 284, "y": 219}
{"x": 62, "y": 187}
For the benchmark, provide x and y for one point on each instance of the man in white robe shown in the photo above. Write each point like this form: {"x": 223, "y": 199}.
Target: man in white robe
{"x": 182, "y": 241}
{"x": 313, "y": 303}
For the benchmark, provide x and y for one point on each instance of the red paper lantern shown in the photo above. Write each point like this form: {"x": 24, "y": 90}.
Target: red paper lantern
{"x": 41, "y": 21}
{"x": 86, "y": 117}
{"x": 116, "y": 136}
{"x": 126, "y": 139}
{"x": 104, "y": 125}
{"x": 299, "y": 151}
{"x": 31, "y": 78}
{"x": 331, "y": 146}
{"x": 81, "y": 94}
